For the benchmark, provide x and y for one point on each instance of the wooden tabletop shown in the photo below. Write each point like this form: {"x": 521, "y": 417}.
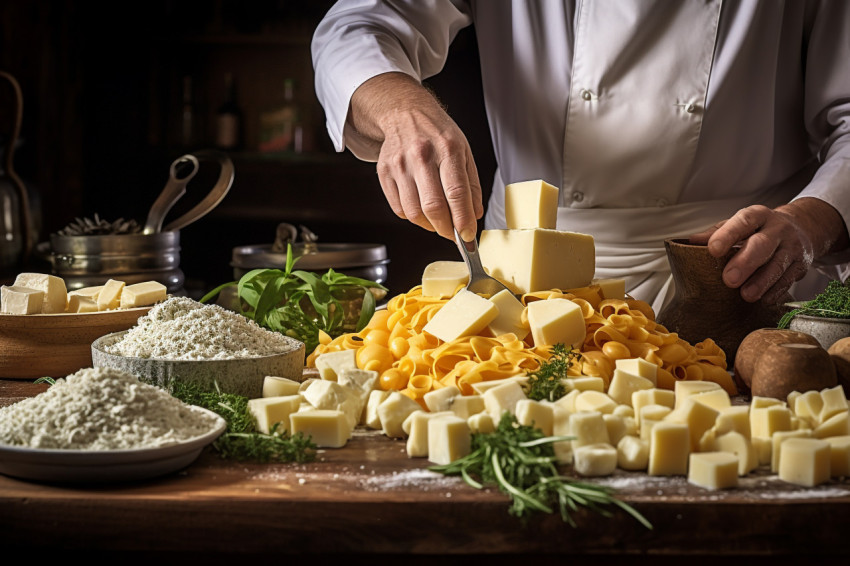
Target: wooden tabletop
{"x": 369, "y": 498}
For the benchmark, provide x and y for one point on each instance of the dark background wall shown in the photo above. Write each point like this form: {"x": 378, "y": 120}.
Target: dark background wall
{"x": 102, "y": 113}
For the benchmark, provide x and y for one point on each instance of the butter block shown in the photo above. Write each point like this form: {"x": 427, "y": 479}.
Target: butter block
{"x": 268, "y": 411}
{"x": 449, "y": 438}
{"x": 20, "y": 300}
{"x": 669, "y": 449}
{"x": 805, "y": 461}
{"x": 416, "y": 428}
{"x": 536, "y": 414}
{"x": 632, "y": 453}
{"x": 524, "y": 259}
{"x": 595, "y": 460}
{"x": 465, "y": 314}
{"x": 142, "y": 294}
{"x": 839, "y": 456}
{"x": 503, "y": 398}
{"x": 393, "y": 411}
{"x": 331, "y": 364}
{"x": 442, "y": 278}
{"x": 327, "y": 428}
{"x": 509, "y": 319}
{"x": 588, "y": 428}
{"x": 79, "y": 303}
{"x": 109, "y": 297}
{"x": 556, "y": 321}
{"x": 274, "y": 386}
{"x": 639, "y": 366}
{"x": 713, "y": 470}
{"x": 89, "y": 292}
{"x": 55, "y": 292}
{"x": 531, "y": 204}
{"x": 595, "y": 401}
{"x": 611, "y": 288}
{"x": 624, "y": 384}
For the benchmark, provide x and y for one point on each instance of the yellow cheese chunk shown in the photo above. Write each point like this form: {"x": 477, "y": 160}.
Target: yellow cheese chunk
{"x": 764, "y": 421}
{"x": 274, "y": 386}
{"x": 617, "y": 428}
{"x": 142, "y": 294}
{"x": 808, "y": 406}
{"x": 836, "y": 425}
{"x": 509, "y": 319}
{"x": 713, "y": 470}
{"x": 329, "y": 395}
{"x": 716, "y": 399}
{"x": 442, "y": 278}
{"x": 20, "y": 300}
{"x": 611, "y": 288}
{"x": 79, "y": 303}
{"x": 776, "y": 449}
{"x": 531, "y": 204}
{"x": 584, "y": 383}
{"x": 735, "y": 419}
{"x": 624, "y": 384}
{"x": 449, "y": 438}
{"x": 538, "y": 259}
{"x": 441, "y": 399}
{"x": 466, "y": 406}
{"x": 55, "y": 292}
{"x": 632, "y": 453}
{"x": 588, "y": 428}
{"x": 595, "y": 401}
{"x": 109, "y": 297}
{"x": 481, "y": 423}
{"x": 669, "y": 449}
{"x": 839, "y": 456}
{"x": 697, "y": 416}
{"x": 556, "y": 321}
{"x": 393, "y": 411}
{"x": 639, "y": 366}
{"x": 805, "y": 461}
{"x": 536, "y": 414}
{"x": 748, "y": 459}
{"x": 327, "y": 428}
{"x": 561, "y": 427}
{"x": 465, "y": 314}
{"x": 654, "y": 396}
{"x": 416, "y": 428}
{"x": 89, "y": 292}
{"x": 331, "y": 364}
{"x": 371, "y": 418}
{"x": 763, "y": 447}
{"x": 595, "y": 460}
{"x": 834, "y": 402}
{"x": 268, "y": 411}
{"x": 624, "y": 411}
{"x": 762, "y": 402}
{"x": 684, "y": 389}
{"x": 483, "y": 386}
{"x": 503, "y": 398}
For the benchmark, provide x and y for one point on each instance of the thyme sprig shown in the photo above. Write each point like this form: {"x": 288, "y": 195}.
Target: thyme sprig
{"x": 546, "y": 384}
{"x": 832, "y": 302}
{"x": 521, "y": 461}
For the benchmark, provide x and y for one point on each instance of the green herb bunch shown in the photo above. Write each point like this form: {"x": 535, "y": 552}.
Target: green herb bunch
{"x": 241, "y": 440}
{"x": 300, "y": 304}
{"x": 546, "y": 383}
{"x": 833, "y": 302}
{"x": 521, "y": 461}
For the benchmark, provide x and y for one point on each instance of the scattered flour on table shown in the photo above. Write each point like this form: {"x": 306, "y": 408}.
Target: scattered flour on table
{"x": 181, "y": 328}
{"x": 101, "y": 409}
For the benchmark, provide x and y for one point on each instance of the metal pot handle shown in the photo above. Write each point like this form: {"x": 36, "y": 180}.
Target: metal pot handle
{"x": 23, "y": 197}
{"x": 215, "y": 196}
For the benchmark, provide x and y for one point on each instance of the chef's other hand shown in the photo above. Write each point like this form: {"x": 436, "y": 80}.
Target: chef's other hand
{"x": 777, "y": 246}
{"x": 425, "y": 165}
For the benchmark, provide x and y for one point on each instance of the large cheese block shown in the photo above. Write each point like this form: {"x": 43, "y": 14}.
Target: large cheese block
{"x": 538, "y": 259}
{"x": 20, "y": 300}
{"x": 531, "y": 204}
{"x": 465, "y": 314}
{"x": 442, "y": 278}
{"x": 55, "y": 292}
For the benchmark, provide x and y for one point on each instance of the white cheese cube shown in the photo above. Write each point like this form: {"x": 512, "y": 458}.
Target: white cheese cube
{"x": 716, "y": 399}
{"x": 536, "y": 414}
{"x": 735, "y": 418}
{"x": 584, "y": 383}
{"x": 761, "y": 402}
{"x": 588, "y": 428}
{"x": 503, "y": 398}
{"x": 79, "y": 303}
{"x": 777, "y": 439}
{"x": 748, "y": 458}
{"x": 482, "y": 386}
{"x": 595, "y": 401}
{"x": 632, "y": 453}
{"x": 522, "y": 259}
{"x": 617, "y": 428}
{"x": 669, "y": 448}
{"x": 556, "y": 321}
{"x": 142, "y": 294}
{"x": 442, "y": 278}
{"x": 55, "y": 292}
{"x": 644, "y": 397}
{"x": 568, "y": 401}
{"x": 611, "y": 289}
{"x": 441, "y": 399}
{"x": 109, "y": 297}
{"x": 371, "y": 418}
{"x": 697, "y": 416}
{"x": 20, "y": 300}
{"x": 839, "y": 456}
{"x": 509, "y": 319}
{"x": 531, "y": 204}
{"x": 595, "y": 460}
{"x": 268, "y": 411}
{"x": 327, "y": 428}
{"x": 834, "y": 402}
{"x": 836, "y": 425}
{"x": 360, "y": 381}
{"x": 713, "y": 470}
{"x": 640, "y": 367}
{"x": 331, "y": 364}
{"x": 466, "y": 406}
{"x": 624, "y": 411}
{"x": 416, "y": 428}
{"x": 684, "y": 389}
{"x": 274, "y": 386}
{"x": 481, "y": 423}
{"x": 465, "y": 314}
{"x": 393, "y": 411}
{"x": 329, "y": 395}
{"x": 809, "y": 406}
{"x": 449, "y": 438}
{"x": 764, "y": 421}
{"x": 805, "y": 461}
{"x": 763, "y": 447}
{"x": 624, "y": 384}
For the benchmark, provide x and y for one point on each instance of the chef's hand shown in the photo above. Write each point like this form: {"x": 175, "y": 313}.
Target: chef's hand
{"x": 777, "y": 246}
{"x": 425, "y": 165}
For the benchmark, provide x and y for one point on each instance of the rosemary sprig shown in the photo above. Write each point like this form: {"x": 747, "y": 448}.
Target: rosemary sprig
{"x": 521, "y": 461}
{"x": 546, "y": 383}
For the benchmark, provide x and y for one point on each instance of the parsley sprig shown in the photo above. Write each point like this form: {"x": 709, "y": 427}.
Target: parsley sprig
{"x": 521, "y": 461}
{"x": 546, "y": 383}
{"x": 832, "y": 302}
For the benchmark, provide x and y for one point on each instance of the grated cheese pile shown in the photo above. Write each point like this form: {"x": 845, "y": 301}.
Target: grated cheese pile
{"x": 101, "y": 409}
{"x": 184, "y": 329}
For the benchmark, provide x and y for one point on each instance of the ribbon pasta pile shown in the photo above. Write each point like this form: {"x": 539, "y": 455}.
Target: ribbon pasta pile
{"x": 415, "y": 362}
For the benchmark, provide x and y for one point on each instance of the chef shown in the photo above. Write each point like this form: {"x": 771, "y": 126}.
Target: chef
{"x": 727, "y": 122}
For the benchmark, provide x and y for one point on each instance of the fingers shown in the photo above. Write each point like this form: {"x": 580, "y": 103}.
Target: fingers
{"x": 737, "y": 229}
{"x": 701, "y": 239}
{"x": 458, "y": 195}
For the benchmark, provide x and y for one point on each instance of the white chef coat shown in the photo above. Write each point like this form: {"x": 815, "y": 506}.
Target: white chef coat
{"x": 656, "y": 118}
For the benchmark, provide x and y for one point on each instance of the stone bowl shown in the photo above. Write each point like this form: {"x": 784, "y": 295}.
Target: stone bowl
{"x": 826, "y": 330}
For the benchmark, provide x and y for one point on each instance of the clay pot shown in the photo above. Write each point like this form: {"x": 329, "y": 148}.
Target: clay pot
{"x": 704, "y": 307}
{"x": 784, "y": 368}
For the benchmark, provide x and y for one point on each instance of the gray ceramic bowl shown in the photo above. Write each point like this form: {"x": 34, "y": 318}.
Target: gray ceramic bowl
{"x": 827, "y": 331}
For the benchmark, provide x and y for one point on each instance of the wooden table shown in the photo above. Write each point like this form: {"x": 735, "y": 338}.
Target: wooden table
{"x": 370, "y": 501}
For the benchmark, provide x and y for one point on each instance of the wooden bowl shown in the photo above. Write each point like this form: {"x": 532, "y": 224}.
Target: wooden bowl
{"x": 56, "y": 345}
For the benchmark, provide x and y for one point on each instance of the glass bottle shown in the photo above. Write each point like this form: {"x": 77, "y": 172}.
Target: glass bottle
{"x": 229, "y": 118}
{"x": 279, "y": 126}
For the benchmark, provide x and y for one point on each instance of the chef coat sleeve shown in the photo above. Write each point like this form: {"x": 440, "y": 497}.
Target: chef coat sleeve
{"x": 359, "y": 39}
{"x": 827, "y": 110}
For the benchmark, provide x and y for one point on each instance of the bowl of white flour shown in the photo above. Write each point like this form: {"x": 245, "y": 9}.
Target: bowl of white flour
{"x": 184, "y": 340}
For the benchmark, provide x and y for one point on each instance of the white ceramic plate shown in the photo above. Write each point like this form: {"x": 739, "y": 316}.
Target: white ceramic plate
{"x": 104, "y": 466}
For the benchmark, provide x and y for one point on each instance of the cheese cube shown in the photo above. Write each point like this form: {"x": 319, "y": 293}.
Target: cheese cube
{"x": 669, "y": 449}
{"x": 331, "y": 364}
{"x": 371, "y": 418}
{"x": 360, "y": 381}
{"x": 808, "y": 406}
{"x": 839, "y": 456}
{"x": 654, "y": 412}
{"x": 78, "y": 303}
{"x": 776, "y": 449}
{"x": 764, "y": 421}
{"x": 536, "y": 414}
{"x": 466, "y": 406}
{"x": 624, "y": 384}
{"x": 716, "y": 399}
{"x": 684, "y": 389}
{"x": 834, "y": 402}
{"x": 393, "y": 411}
{"x": 442, "y": 278}
{"x": 588, "y": 428}
{"x": 805, "y": 461}
{"x": 735, "y": 418}
{"x": 329, "y": 395}
{"x": 624, "y": 411}
{"x": 561, "y": 427}
{"x": 268, "y": 411}
{"x": 584, "y": 383}
{"x": 449, "y": 438}
{"x": 697, "y": 416}
{"x": 327, "y": 428}
{"x": 762, "y": 402}
{"x": 531, "y": 204}
{"x": 109, "y": 297}
{"x": 639, "y": 366}
{"x": 556, "y": 321}
{"x": 748, "y": 459}
{"x": 537, "y": 259}
{"x": 481, "y": 423}
{"x": 88, "y": 292}
{"x": 617, "y": 428}
{"x": 482, "y": 386}
{"x": 142, "y": 294}
{"x": 611, "y": 288}
{"x": 836, "y": 425}
{"x": 644, "y": 397}
{"x": 20, "y": 300}
{"x": 465, "y": 314}
{"x": 503, "y": 398}
{"x": 274, "y": 386}
{"x": 416, "y": 428}
{"x": 509, "y": 319}
{"x": 595, "y": 460}
{"x": 568, "y": 401}
{"x": 632, "y": 453}
{"x": 713, "y": 470}
{"x": 763, "y": 447}
{"x": 55, "y": 292}
{"x": 441, "y": 399}
{"x": 595, "y": 401}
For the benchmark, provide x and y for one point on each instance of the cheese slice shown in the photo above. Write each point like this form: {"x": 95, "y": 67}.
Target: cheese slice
{"x": 538, "y": 259}
{"x": 531, "y": 204}
{"x": 465, "y": 314}
{"x": 142, "y": 294}
{"x": 110, "y": 296}
{"x": 55, "y": 292}
{"x": 20, "y": 300}
{"x": 442, "y": 278}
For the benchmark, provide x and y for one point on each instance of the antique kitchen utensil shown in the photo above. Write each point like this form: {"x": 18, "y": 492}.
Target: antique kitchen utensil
{"x": 479, "y": 280}
{"x": 180, "y": 173}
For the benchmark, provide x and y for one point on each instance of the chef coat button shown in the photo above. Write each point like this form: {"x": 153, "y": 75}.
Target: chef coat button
{"x": 586, "y": 94}
{"x": 661, "y": 203}
{"x": 690, "y": 108}
{"x": 578, "y": 196}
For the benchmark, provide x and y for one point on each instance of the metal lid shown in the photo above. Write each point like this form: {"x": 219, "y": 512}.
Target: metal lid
{"x": 335, "y": 256}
